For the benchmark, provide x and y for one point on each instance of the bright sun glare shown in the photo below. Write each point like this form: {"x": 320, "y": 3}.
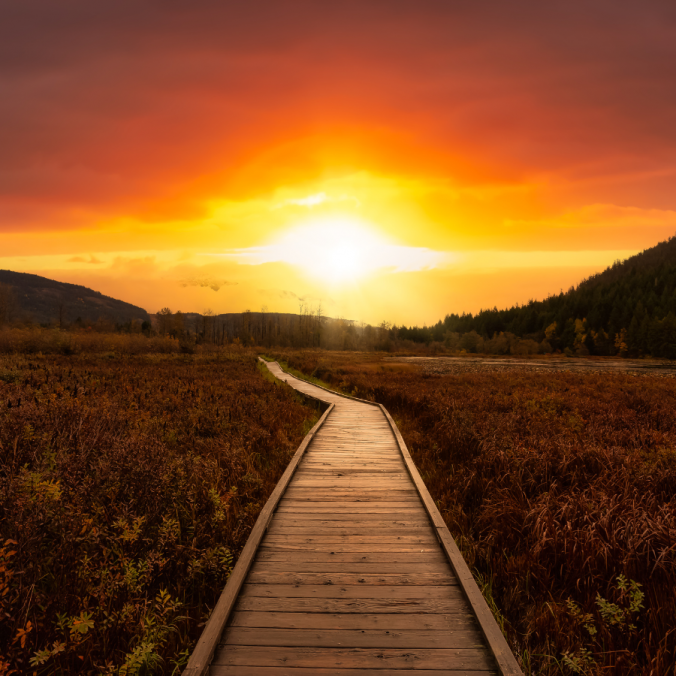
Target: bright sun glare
{"x": 337, "y": 249}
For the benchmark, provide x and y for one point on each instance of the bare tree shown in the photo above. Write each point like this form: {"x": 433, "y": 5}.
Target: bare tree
{"x": 164, "y": 320}
{"x": 209, "y": 323}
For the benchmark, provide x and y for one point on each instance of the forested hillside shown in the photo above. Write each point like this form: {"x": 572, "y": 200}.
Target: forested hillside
{"x": 629, "y": 309}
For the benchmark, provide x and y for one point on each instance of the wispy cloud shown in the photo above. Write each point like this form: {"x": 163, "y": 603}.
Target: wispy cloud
{"x": 92, "y": 260}
{"x": 207, "y": 283}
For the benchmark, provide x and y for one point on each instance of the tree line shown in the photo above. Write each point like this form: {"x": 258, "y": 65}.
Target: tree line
{"x": 627, "y": 310}
{"x": 307, "y": 329}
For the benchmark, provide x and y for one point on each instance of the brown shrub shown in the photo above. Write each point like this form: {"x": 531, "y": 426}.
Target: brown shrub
{"x": 127, "y": 489}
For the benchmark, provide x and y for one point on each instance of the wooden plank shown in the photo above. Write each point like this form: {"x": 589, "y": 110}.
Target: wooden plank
{"x": 416, "y": 525}
{"x": 348, "y": 532}
{"x": 356, "y": 591}
{"x": 340, "y": 548}
{"x": 361, "y": 567}
{"x": 365, "y": 621}
{"x": 350, "y": 508}
{"x": 394, "y": 505}
{"x": 403, "y": 508}
{"x": 353, "y": 638}
{"x": 200, "y": 658}
{"x": 303, "y": 605}
{"x": 337, "y": 456}
{"x": 418, "y": 516}
{"x": 426, "y": 540}
{"x": 257, "y": 576}
{"x": 354, "y": 496}
{"x": 337, "y": 483}
{"x": 355, "y": 658}
{"x": 329, "y": 473}
{"x": 223, "y": 670}
{"x": 354, "y": 467}
{"x": 404, "y": 558}
{"x": 289, "y": 521}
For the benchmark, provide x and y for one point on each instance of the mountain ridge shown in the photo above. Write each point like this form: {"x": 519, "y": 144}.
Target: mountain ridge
{"x": 47, "y": 301}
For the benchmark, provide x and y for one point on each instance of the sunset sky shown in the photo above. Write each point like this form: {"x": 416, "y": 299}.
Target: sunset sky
{"x": 393, "y": 160}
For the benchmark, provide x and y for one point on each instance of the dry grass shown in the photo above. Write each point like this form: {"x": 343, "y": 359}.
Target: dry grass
{"x": 128, "y": 486}
{"x": 560, "y": 488}
{"x": 40, "y": 341}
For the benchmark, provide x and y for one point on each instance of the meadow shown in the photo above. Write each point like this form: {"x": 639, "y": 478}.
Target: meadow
{"x": 128, "y": 486}
{"x": 560, "y": 489}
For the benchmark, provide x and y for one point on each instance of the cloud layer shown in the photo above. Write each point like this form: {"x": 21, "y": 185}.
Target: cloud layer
{"x": 134, "y": 134}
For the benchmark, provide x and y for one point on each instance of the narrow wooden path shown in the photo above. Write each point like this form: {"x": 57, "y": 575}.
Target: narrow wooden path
{"x": 350, "y": 574}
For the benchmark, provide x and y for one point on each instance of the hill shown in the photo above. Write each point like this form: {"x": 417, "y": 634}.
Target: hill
{"x": 46, "y": 301}
{"x": 628, "y": 309}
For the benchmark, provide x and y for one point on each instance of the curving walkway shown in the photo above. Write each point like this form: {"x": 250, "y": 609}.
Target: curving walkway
{"x": 350, "y": 577}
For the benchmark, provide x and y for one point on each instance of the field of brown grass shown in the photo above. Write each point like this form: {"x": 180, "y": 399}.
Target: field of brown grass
{"x": 560, "y": 489}
{"x": 128, "y": 486}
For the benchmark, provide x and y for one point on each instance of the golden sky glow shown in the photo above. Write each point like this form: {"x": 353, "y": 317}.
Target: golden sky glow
{"x": 393, "y": 161}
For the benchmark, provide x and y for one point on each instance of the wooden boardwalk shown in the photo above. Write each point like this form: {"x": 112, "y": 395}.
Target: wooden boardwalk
{"x": 349, "y": 572}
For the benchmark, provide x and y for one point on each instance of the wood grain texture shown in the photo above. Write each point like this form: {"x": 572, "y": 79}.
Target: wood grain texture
{"x": 363, "y": 621}
{"x": 383, "y": 605}
{"x": 257, "y": 576}
{"x": 355, "y": 638}
{"x": 351, "y": 658}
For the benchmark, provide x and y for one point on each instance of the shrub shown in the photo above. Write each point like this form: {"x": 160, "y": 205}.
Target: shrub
{"x": 127, "y": 489}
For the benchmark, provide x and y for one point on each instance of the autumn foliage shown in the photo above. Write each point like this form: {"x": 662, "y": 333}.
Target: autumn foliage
{"x": 560, "y": 489}
{"x": 128, "y": 486}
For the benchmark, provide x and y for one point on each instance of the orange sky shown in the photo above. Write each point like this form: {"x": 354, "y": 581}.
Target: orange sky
{"x": 394, "y": 160}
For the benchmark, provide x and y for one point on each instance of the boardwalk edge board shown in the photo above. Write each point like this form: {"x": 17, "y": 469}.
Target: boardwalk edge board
{"x": 497, "y": 643}
{"x": 201, "y": 657}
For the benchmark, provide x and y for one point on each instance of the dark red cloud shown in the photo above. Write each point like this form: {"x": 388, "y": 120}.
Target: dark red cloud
{"x": 112, "y": 106}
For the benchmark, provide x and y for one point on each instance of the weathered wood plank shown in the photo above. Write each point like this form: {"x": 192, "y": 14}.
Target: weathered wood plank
{"x": 351, "y": 538}
{"x": 339, "y": 548}
{"x": 223, "y": 670}
{"x": 361, "y": 567}
{"x": 257, "y": 576}
{"x": 389, "y": 517}
{"x": 287, "y": 503}
{"x": 349, "y": 532}
{"x": 355, "y": 496}
{"x": 417, "y": 526}
{"x": 363, "y": 621}
{"x": 303, "y": 605}
{"x": 403, "y": 558}
{"x": 353, "y": 638}
{"x": 358, "y": 508}
{"x": 392, "y": 658}
{"x": 335, "y": 591}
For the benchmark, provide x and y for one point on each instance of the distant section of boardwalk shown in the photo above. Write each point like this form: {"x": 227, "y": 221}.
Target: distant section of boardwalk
{"x": 351, "y": 576}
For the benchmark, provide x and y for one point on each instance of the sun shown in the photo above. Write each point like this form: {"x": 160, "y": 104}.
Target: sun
{"x": 336, "y": 249}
